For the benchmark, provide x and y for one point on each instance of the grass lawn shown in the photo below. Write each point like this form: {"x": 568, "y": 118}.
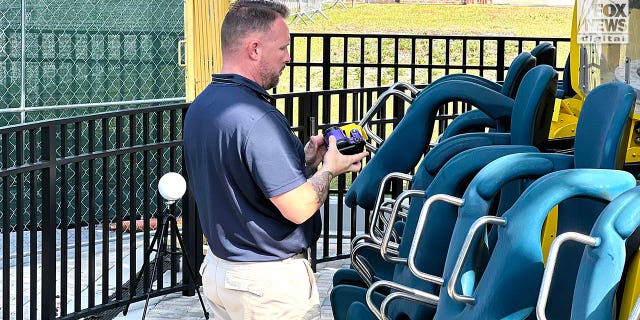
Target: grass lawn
{"x": 429, "y": 19}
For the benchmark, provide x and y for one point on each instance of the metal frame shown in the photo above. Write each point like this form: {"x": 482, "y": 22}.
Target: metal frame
{"x": 455, "y": 275}
{"x": 418, "y": 235}
{"x": 403, "y": 292}
{"x": 545, "y": 286}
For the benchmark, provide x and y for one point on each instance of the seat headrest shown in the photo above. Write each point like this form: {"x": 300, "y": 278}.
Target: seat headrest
{"x": 545, "y": 53}
{"x": 533, "y": 107}
{"x": 519, "y": 67}
{"x": 608, "y": 108}
{"x": 601, "y": 267}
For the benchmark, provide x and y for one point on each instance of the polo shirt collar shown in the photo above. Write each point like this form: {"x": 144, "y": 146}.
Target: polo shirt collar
{"x": 237, "y": 79}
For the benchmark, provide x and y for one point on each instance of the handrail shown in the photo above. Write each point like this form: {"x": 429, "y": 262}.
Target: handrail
{"x": 418, "y": 235}
{"x": 455, "y": 275}
{"x": 402, "y": 292}
{"x": 384, "y": 247}
{"x": 379, "y": 201}
{"x": 547, "y": 276}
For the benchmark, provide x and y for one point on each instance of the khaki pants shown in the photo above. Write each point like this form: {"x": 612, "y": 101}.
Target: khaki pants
{"x": 260, "y": 290}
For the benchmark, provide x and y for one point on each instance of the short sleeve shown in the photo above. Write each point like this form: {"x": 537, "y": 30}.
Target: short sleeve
{"x": 274, "y": 156}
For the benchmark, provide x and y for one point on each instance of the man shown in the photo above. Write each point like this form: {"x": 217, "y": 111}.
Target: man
{"x": 247, "y": 171}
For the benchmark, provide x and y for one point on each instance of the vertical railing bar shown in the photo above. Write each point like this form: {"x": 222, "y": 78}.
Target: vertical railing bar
{"x": 430, "y": 59}
{"x": 49, "y": 190}
{"x": 357, "y": 112}
{"x": 105, "y": 212}
{"x": 292, "y": 45}
{"x": 159, "y": 203}
{"x": 118, "y": 209}
{"x": 172, "y": 168}
{"x": 288, "y": 110}
{"x": 464, "y": 56}
{"x": 500, "y": 61}
{"x": 326, "y": 119}
{"x": 64, "y": 223}
{"x": 91, "y": 282}
{"x": 145, "y": 195}
{"x": 23, "y": 62}
{"x": 396, "y": 53}
{"x": 413, "y": 60}
{"x": 345, "y": 59}
{"x": 342, "y": 183}
{"x": 19, "y": 226}
{"x": 482, "y": 58}
{"x": 308, "y": 67}
{"x": 447, "y": 55}
{"x": 77, "y": 197}
{"x": 33, "y": 227}
{"x": 362, "y": 68}
{"x": 6, "y": 245}
{"x": 379, "y": 69}
{"x": 132, "y": 207}
{"x": 326, "y": 62}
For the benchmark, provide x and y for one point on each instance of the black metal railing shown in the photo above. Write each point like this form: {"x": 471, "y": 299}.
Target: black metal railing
{"x": 78, "y": 234}
{"x": 338, "y": 61}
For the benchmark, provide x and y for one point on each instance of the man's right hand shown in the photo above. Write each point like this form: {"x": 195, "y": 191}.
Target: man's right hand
{"x": 338, "y": 163}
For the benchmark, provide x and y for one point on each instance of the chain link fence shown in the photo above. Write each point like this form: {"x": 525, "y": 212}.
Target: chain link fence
{"x": 66, "y": 58}
{"x": 82, "y": 56}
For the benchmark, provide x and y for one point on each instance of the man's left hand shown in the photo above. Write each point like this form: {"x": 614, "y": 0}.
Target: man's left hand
{"x": 314, "y": 151}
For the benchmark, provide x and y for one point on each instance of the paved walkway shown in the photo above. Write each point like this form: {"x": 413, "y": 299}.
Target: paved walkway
{"x": 175, "y": 306}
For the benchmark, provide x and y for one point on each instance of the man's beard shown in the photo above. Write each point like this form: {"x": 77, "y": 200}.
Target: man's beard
{"x": 270, "y": 79}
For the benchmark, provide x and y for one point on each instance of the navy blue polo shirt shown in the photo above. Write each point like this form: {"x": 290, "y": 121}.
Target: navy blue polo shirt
{"x": 239, "y": 152}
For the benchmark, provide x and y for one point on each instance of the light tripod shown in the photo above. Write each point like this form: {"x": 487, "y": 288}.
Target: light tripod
{"x": 169, "y": 224}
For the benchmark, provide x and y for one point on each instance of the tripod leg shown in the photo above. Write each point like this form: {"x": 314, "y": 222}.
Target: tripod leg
{"x": 159, "y": 256}
{"x": 174, "y": 224}
{"x": 137, "y": 279}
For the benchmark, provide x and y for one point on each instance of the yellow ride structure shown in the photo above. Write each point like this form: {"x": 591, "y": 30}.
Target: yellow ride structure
{"x": 200, "y": 52}
{"x": 605, "y": 47}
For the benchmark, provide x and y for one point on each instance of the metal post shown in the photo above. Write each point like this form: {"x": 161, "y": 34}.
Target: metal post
{"x": 23, "y": 64}
{"x": 500, "y": 61}
{"x": 326, "y": 62}
{"x": 48, "y": 283}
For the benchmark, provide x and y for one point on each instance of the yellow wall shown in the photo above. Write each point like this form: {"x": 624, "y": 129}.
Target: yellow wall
{"x": 201, "y": 52}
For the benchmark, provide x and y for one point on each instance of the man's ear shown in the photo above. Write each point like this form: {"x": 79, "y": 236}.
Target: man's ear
{"x": 254, "y": 49}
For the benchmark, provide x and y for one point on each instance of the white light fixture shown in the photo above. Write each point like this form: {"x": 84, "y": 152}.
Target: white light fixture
{"x": 172, "y": 187}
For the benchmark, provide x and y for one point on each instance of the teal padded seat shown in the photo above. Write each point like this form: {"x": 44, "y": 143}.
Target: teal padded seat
{"x": 545, "y": 53}
{"x": 531, "y": 120}
{"x": 475, "y": 120}
{"x": 604, "y": 153}
{"x": 507, "y": 284}
{"x": 452, "y": 179}
{"x": 602, "y": 264}
{"x": 407, "y": 143}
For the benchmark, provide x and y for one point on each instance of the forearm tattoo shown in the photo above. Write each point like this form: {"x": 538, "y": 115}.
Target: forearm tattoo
{"x": 320, "y": 183}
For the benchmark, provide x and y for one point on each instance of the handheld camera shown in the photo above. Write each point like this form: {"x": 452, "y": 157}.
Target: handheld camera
{"x": 350, "y": 138}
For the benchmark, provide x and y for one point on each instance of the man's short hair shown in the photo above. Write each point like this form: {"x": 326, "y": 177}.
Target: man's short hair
{"x": 246, "y": 16}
